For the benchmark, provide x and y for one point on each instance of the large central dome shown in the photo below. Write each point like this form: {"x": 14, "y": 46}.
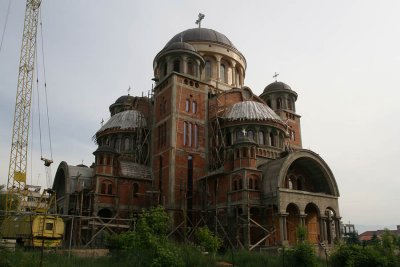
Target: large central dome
{"x": 201, "y": 35}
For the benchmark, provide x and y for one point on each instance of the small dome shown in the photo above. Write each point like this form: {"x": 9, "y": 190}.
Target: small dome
{"x": 245, "y": 140}
{"x": 277, "y": 86}
{"x": 201, "y": 35}
{"x": 124, "y": 120}
{"x": 124, "y": 98}
{"x": 250, "y": 110}
{"x": 180, "y": 46}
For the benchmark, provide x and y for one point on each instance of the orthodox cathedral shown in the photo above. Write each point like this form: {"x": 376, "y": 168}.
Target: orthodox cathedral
{"x": 208, "y": 150}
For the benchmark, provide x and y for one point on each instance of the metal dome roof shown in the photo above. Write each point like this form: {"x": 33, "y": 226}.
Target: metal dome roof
{"x": 201, "y": 34}
{"x": 124, "y": 98}
{"x": 180, "y": 46}
{"x": 128, "y": 119}
{"x": 250, "y": 110}
{"x": 277, "y": 86}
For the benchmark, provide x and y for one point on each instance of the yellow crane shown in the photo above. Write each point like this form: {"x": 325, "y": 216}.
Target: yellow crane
{"x": 27, "y": 210}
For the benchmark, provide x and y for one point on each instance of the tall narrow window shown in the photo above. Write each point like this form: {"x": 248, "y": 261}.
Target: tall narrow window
{"x": 165, "y": 69}
{"x": 187, "y": 105}
{"x": 196, "y": 135}
{"x": 208, "y": 69}
{"x": 250, "y": 135}
{"x": 126, "y": 145}
{"x": 177, "y": 66}
{"x": 272, "y": 139}
{"x": 190, "y": 134}
{"x": 261, "y": 138}
{"x": 289, "y": 104}
{"x": 190, "y": 68}
{"x": 109, "y": 189}
{"x": 279, "y": 103}
{"x": 135, "y": 189}
{"x": 222, "y": 73}
{"x": 184, "y": 133}
{"x": 194, "y": 107}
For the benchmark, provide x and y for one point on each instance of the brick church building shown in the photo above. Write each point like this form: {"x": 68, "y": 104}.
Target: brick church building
{"x": 209, "y": 150}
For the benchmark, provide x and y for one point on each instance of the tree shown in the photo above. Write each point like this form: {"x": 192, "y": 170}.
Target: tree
{"x": 207, "y": 240}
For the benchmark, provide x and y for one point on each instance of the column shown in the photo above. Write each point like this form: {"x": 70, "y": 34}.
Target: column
{"x": 233, "y": 65}
{"x": 323, "y": 229}
{"x": 218, "y": 58}
{"x": 303, "y": 219}
{"x": 283, "y": 228}
{"x": 184, "y": 64}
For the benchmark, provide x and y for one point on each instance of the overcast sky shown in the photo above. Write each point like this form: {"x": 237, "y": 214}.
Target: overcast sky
{"x": 341, "y": 57}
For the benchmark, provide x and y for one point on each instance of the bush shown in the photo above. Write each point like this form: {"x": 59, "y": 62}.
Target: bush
{"x": 358, "y": 256}
{"x": 302, "y": 255}
{"x": 207, "y": 241}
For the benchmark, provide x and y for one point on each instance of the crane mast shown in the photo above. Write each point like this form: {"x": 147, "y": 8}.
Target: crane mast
{"x": 19, "y": 147}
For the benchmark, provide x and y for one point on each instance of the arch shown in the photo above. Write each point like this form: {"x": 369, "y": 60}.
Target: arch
{"x": 190, "y": 68}
{"x": 312, "y": 223}
{"x": 292, "y": 222}
{"x": 317, "y": 176}
{"x": 105, "y": 213}
{"x": 250, "y": 134}
{"x": 261, "y": 138}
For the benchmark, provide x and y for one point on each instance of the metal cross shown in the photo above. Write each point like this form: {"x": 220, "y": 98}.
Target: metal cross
{"x": 198, "y": 21}
{"x": 102, "y": 121}
{"x": 129, "y": 89}
{"x": 244, "y": 132}
{"x": 275, "y": 76}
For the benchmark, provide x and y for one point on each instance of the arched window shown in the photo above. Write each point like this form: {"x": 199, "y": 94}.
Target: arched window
{"x": 222, "y": 73}
{"x": 279, "y": 103}
{"x": 250, "y": 183}
{"x": 109, "y": 189}
{"x": 272, "y": 139}
{"x": 103, "y": 189}
{"x": 244, "y": 152}
{"x": 235, "y": 185}
{"x": 239, "y": 134}
{"x": 240, "y": 184}
{"x": 261, "y": 138}
{"x": 250, "y": 134}
{"x": 190, "y": 68}
{"x": 177, "y": 65}
{"x": 196, "y": 135}
{"x": 187, "y": 105}
{"x": 289, "y": 104}
{"x": 126, "y": 145}
{"x": 269, "y": 103}
{"x": 256, "y": 184}
{"x": 190, "y": 134}
{"x": 208, "y": 70}
{"x": 165, "y": 69}
{"x": 184, "y": 132}
{"x": 135, "y": 190}
{"x": 194, "y": 107}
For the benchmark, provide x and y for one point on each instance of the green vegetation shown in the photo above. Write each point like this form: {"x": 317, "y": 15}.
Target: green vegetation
{"x": 149, "y": 246}
{"x": 376, "y": 253}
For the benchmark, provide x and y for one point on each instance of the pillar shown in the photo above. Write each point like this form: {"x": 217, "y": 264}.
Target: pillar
{"x": 283, "y": 228}
{"x": 323, "y": 228}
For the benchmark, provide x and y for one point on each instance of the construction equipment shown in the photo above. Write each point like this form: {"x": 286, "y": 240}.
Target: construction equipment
{"x": 28, "y": 218}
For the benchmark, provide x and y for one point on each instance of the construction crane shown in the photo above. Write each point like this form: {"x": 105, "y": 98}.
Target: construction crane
{"x": 27, "y": 210}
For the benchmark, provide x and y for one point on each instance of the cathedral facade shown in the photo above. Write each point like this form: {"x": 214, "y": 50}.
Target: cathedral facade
{"x": 207, "y": 149}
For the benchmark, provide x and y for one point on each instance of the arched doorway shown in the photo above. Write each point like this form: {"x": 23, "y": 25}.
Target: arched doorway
{"x": 292, "y": 222}
{"x": 312, "y": 223}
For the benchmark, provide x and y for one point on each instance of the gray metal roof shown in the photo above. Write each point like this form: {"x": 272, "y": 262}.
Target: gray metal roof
{"x": 128, "y": 119}
{"x": 201, "y": 34}
{"x": 81, "y": 178}
{"x": 250, "y": 110}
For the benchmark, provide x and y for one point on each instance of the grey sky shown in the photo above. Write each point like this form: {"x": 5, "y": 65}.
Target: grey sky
{"x": 341, "y": 57}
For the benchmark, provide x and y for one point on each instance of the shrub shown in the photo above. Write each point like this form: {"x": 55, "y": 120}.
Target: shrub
{"x": 207, "y": 240}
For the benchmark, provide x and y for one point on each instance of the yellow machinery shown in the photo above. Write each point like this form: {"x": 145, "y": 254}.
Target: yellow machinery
{"x": 27, "y": 211}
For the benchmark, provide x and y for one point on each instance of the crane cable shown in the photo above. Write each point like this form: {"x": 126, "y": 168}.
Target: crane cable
{"x": 47, "y": 162}
{"x": 5, "y": 24}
